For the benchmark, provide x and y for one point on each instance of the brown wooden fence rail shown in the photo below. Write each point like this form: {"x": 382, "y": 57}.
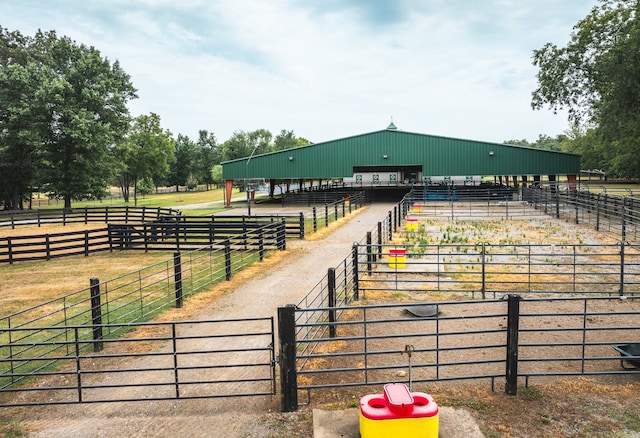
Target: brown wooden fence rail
{"x": 85, "y": 215}
{"x": 163, "y": 236}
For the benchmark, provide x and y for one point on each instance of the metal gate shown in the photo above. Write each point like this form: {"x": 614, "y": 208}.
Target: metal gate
{"x": 152, "y": 361}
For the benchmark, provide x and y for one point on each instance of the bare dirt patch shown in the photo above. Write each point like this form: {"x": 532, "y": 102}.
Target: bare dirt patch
{"x": 556, "y": 407}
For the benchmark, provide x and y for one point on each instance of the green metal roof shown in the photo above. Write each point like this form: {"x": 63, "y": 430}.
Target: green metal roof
{"x": 438, "y": 156}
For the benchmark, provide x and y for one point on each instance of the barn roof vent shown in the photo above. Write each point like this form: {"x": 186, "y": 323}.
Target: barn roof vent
{"x": 391, "y": 125}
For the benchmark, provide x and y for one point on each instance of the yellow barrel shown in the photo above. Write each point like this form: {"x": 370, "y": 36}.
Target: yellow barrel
{"x": 412, "y": 224}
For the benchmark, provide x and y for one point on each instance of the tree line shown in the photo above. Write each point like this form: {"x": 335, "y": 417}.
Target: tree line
{"x": 596, "y": 79}
{"x": 66, "y": 130}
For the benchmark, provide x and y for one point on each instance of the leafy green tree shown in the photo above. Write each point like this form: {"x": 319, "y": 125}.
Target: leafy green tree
{"x": 184, "y": 164}
{"x": 216, "y": 174}
{"x": 287, "y": 140}
{"x": 21, "y": 120}
{"x": 147, "y": 151}
{"x": 242, "y": 144}
{"x": 595, "y": 78}
{"x": 209, "y": 154}
{"x": 86, "y": 115}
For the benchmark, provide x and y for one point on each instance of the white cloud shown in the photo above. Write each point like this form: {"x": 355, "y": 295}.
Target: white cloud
{"x": 325, "y": 69}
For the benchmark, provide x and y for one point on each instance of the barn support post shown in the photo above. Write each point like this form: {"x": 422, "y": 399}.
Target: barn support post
{"x": 96, "y": 314}
{"x": 177, "y": 276}
{"x": 228, "y": 189}
{"x": 513, "y": 322}
{"x": 356, "y": 284}
{"x": 287, "y": 358}
{"x": 331, "y": 290}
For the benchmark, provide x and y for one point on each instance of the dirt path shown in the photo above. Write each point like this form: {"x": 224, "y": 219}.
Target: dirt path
{"x": 261, "y": 296}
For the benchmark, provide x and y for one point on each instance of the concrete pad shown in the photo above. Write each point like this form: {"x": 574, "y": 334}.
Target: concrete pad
{"x": 453, "y": 423}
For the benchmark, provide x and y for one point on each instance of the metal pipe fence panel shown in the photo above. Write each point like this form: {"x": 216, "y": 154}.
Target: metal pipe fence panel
{"x": 156, "y": 361}
{"x": 467, "y": 340}
{"x": 490, "y": 270}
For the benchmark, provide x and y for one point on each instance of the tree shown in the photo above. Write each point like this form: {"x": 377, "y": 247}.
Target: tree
{"x": 184, "y": 164}
{"x": 595, "y": 78}
{"x": 86, "y": 115}
{"x": 242, "y": 144}
{"x": 21, "y": 120}
{"x": 147, "y": 151}
{"x": 209, "y": 154}
{"x": 287, "y": 140}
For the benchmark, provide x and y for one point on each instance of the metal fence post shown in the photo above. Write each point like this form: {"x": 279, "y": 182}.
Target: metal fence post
{"x": 177, "y": 275}
{"x": 315, "y": 220}
{"x": 390, "y": 229}
{"x": 287, "y": 358}
{"x": 622, "y": 268}
{"x": 227, "y": 259}
{"x": 282, "y": 235}
{"x": 379, "y": 256}
{"x": 356, "y": 285}
{"x": 369, "y": 254}
{"x": 326, "y": 215}
{"x": 513, "y": 322}
{"x": 301, "y": 226}
{"x": 484, "y": 271}
{"x": 331, "y": 290}
{"x": 261, "y": 243}
{"x": 96, "y": 314}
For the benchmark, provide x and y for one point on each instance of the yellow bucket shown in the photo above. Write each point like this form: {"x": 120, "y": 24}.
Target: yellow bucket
{"x": 397, "y": 258}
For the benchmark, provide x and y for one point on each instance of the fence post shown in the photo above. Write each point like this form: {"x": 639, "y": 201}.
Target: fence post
{"x": 315, "y": 220}
{"x": 177, "y": 274}
{"x": 379, "y": 241}
{"x": 301, "y": 226}
{"x": 227, "y": 259}
{"x": 395, "y": 218}
{"x": 86, "y": 243}
{"x": 287, "y": 359}
{"x": 261, "y": 243}
{"x": 390, "y": 224}
{"x": 621, "y": 268}
{"x": 335, "y": 210}
{"x": 623, "y": 226}
{"x": 356, "y": 285}
{"x": 326, "y": 215}
{"x": 282, "y": 235}
{"x": 484, "y": 271}
{"x": 96, "y": 314}
{"x": 10, "y": 250}
{"x": 369, "y": 254}
{"x": 331, "y": 287}
{"x": 598, "y": 212}
{"x": 513, "y": 322}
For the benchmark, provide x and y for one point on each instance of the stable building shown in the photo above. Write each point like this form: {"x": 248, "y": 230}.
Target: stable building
{"x": 392, "y": 158}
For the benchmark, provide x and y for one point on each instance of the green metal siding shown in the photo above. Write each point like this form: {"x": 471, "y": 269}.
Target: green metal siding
{"x": 438, "y": 156}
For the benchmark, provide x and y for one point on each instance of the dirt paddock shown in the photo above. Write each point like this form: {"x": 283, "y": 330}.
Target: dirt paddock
{"x": 570, "y": 406}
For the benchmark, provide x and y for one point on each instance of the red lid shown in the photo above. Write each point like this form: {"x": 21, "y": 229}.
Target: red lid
{"x": 398, "y": 397}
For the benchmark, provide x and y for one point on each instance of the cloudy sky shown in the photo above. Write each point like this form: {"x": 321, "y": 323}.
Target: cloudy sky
{"x": 325, "y": 69}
